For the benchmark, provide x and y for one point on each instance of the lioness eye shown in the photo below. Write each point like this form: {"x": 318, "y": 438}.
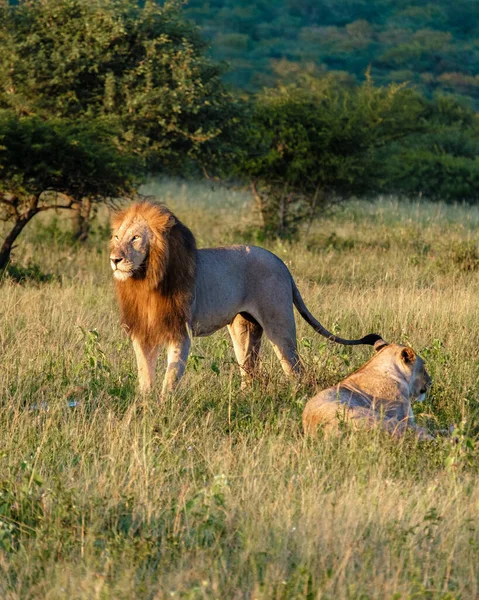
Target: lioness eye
{"x": 116, "y": 237}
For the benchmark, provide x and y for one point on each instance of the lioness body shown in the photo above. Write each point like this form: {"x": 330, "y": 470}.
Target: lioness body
{"x": 167, "y": 289}
{"x": 379, "y": 393}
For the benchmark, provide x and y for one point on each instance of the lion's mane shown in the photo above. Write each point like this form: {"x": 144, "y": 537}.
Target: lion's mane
{"x": 155, "y": 303}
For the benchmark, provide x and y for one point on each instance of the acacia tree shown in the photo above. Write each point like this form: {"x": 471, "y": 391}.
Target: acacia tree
{"x": 47, "y": 165}
{"x": 138, "y": 62}
{"x": 314, "y": 142}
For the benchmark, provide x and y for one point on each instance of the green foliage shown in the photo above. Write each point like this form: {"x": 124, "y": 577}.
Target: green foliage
{"x": 46, "y": 164}
{"x": 434, "y": 174}
{"x": 141, "y": 64}
{"x": 317, "y": 141}
{"x": 432, "y": 45}
{"x": 94, "y": 366}
{"x": 94, "y": 94}
{"x": 32, "y": 273}
{"x": 75, "y": 158}
{"x": 441, "y": 162}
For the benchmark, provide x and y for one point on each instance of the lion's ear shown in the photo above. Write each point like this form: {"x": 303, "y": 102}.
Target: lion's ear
{"x": 161, "y": 224}
{"x": 379, "y": 345}
{"x": 171, "y": 221}
{"x": 408, "y": 355}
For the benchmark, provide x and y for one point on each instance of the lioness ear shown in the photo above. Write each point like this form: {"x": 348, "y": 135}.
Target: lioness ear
{"x": 408, "y": 355}
{"x": 379, "y": 345}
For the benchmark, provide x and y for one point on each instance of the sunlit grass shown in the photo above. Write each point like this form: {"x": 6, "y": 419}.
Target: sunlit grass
{"x": 216, "y": 494}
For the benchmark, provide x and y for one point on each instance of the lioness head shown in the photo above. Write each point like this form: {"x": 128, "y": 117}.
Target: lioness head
{"x": 139, "y": 234}
{"x": 420, "y": 380}
{"x": 410, "y": 366}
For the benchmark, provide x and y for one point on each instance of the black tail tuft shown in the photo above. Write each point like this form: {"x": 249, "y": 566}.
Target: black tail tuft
{"x": 370, "y": 339}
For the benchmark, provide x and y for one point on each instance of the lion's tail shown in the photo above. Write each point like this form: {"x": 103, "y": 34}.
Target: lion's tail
{"x": 298, "y": 301}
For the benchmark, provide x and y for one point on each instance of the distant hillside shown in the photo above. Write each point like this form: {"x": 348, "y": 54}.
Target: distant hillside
{"x": 432, "y": 45}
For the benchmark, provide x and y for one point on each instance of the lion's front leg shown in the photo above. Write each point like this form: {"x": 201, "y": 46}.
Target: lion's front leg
{"x": 177, "y": 357}
{"x": 146, "y": 357}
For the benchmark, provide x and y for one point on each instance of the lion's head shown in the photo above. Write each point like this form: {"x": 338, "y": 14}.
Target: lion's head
{"x": 153, "y": 258}
{"x": 409, "y": 366}
{"x": 139, "y": 244}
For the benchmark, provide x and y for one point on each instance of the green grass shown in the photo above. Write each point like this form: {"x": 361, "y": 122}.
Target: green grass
{"x": 216, "y": 494}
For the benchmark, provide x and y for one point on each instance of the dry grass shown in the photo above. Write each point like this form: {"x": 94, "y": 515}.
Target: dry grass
{"x": 216, "y": 494}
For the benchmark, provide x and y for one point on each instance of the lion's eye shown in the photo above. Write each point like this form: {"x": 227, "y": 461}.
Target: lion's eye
{"x": 116, "y": 238}
{"x": 135, "y": 237}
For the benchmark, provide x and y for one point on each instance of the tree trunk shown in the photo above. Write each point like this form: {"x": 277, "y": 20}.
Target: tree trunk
{"x": 21, "y": 219}
{"x": 7, "y": 245}
{"x": 282, "y": 211}
{"x": 259, "y": 203}
{"x": 81, "y": 220}
{"x": 312, "y": 212}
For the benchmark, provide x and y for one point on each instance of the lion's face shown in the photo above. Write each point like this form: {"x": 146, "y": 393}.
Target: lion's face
{"x": 129, "y": 248}
{"x": 415, "y": 369}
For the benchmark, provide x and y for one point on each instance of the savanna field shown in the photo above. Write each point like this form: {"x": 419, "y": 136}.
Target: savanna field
{"x": 216, "y": 493}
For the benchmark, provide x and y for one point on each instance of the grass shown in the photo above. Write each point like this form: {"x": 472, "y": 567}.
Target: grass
{"x": 216, "y": 494}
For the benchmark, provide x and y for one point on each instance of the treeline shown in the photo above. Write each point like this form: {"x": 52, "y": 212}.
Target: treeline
{"x": 432, "y": 45}
{"x": 97, "y": 94}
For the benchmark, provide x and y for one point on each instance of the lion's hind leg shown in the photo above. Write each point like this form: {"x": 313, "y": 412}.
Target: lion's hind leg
{"x": 282, "y": 335}
{"x": 246, "y": 335}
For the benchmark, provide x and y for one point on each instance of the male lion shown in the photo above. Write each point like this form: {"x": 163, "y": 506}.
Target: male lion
{"x": 379, "y": 393}
{"x": 167, "y": 288}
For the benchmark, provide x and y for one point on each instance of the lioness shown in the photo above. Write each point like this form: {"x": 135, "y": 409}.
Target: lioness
{"x": 379, "y": 393}
{"x": 167, "y": 288}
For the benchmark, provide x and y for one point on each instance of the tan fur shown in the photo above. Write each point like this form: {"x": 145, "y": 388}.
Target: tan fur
{"x": 379, "y": 393}
{"x": 167, "y": 288}
{"x": 155, "y": 303}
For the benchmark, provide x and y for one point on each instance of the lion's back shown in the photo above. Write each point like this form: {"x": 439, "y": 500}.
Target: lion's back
{"x": 237, "y": 258}
{"x": 235, "y": 279}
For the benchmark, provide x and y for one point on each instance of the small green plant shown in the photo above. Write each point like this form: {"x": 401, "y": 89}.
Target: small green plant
{"x": 220, "y": 353}
{"x": 206, "y": 513}
{"x": 463, "y": 450}
{"x": 201, "y": 521}
{"x": 436, "y": 352}
{"x": 195, "y": 361}
{"x": 94, "y": 365}
{"x": 22, "y": 504}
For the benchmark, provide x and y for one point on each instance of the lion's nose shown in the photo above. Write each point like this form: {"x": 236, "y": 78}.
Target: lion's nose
{"x": 116, "y": 259}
